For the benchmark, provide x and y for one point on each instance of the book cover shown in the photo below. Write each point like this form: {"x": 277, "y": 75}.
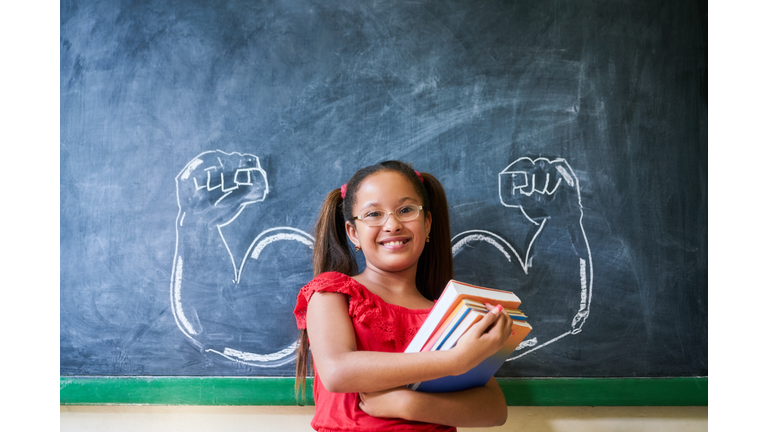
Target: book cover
{"x": 449, "y": 341}
{"x": 437, "y": 339}
{"x": 449, "y": 320}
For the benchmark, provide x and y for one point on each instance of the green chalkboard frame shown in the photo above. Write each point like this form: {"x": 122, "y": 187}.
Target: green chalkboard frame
{"x": 685, "y": 391}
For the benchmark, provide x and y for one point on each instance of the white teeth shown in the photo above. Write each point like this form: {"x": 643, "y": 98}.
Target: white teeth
{"x": 393, "y": 243}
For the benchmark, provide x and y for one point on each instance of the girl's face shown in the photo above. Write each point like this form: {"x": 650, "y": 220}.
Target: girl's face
{"x": 395, "y": 246}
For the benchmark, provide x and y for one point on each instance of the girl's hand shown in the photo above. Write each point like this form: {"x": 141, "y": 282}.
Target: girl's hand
{"x": 484, "y": 338}
{"x": 386, "y": 403}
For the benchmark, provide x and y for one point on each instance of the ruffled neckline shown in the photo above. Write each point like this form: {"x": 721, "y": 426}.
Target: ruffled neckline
{"x": 391, "y": 305}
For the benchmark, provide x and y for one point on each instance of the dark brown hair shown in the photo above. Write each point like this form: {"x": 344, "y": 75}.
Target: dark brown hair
{"x": 332, "y": 252}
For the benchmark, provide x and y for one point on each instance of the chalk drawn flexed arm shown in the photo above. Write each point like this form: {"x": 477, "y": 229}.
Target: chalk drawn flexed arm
{"x": 546, "y": 192}
{"x": 212, "y": 190}
{"x": 215, "y": 299}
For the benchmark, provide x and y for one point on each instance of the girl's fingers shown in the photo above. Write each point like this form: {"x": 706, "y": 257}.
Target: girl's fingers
{"x": 502, "y": 325}
{"x": 495, "y": 325}
{"x": 482, "y": 326}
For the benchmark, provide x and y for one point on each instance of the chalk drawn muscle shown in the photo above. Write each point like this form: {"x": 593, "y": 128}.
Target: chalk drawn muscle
{"x": 546, "y": 197}
{"x": 217, "y": 304}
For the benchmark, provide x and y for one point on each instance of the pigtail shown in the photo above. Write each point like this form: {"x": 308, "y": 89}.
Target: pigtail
{"x": 331, "y": 253}
{"x": 435, "y": 267}
{"x": 303, "y": 368}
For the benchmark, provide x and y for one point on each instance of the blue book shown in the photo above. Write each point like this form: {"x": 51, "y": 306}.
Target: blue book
{"x": 481, "y": 373}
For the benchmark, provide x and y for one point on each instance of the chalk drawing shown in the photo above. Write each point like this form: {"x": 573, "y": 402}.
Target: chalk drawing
{"x": 212, "y": 191}
{"x": 533, "y": 186}
{"x": 215, "y": 187}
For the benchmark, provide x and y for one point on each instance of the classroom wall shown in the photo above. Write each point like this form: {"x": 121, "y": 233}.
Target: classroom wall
{"x": 295, "y": 419}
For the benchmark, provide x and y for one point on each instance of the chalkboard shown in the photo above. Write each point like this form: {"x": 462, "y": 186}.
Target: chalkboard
{"x": 198, "y": 140}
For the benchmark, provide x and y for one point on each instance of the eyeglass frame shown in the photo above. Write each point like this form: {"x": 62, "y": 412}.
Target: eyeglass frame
{"x": 418, "y": 207}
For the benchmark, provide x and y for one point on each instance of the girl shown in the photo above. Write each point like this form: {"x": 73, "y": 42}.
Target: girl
{"x": 360, "y": 323}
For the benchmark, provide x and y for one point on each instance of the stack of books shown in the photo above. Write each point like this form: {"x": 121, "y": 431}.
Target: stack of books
{"x": 459, "y": 307}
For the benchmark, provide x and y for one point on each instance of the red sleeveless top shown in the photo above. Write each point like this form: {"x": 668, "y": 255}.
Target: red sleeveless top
{"x": 379, "y": 326}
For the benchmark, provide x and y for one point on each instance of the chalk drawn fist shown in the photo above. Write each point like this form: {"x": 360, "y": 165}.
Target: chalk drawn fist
{"x": 216, "y": 186}
{"x": 540, "y": 188}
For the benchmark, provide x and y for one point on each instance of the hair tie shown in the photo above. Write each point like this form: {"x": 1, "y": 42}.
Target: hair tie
{"x": 419, "y": 175}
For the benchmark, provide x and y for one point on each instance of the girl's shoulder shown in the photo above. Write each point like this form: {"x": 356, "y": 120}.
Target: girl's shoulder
{"x": 330, "y": 282}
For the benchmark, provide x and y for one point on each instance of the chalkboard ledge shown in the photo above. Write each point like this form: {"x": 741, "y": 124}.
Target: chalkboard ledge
{"x": 108, "y": 390}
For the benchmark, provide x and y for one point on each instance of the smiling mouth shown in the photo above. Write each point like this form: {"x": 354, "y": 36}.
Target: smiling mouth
{"x": 395, "y": 243}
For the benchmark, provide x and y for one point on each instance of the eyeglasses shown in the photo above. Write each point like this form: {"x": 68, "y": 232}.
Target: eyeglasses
{"x": 376, "y": 217}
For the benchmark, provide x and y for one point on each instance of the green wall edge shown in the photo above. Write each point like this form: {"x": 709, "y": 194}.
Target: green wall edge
{"x": 686, "y": 391}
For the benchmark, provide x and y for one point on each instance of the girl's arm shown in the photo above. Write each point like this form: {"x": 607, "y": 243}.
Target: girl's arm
{"x": 477, "y": 407}
{"x": 345, "y": 370}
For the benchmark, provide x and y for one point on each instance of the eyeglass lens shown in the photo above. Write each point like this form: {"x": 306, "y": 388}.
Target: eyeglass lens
{"x": 379, "y": 217}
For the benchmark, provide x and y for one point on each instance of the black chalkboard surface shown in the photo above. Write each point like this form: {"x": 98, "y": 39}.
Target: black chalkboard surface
{"x": 199, "y": 138}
